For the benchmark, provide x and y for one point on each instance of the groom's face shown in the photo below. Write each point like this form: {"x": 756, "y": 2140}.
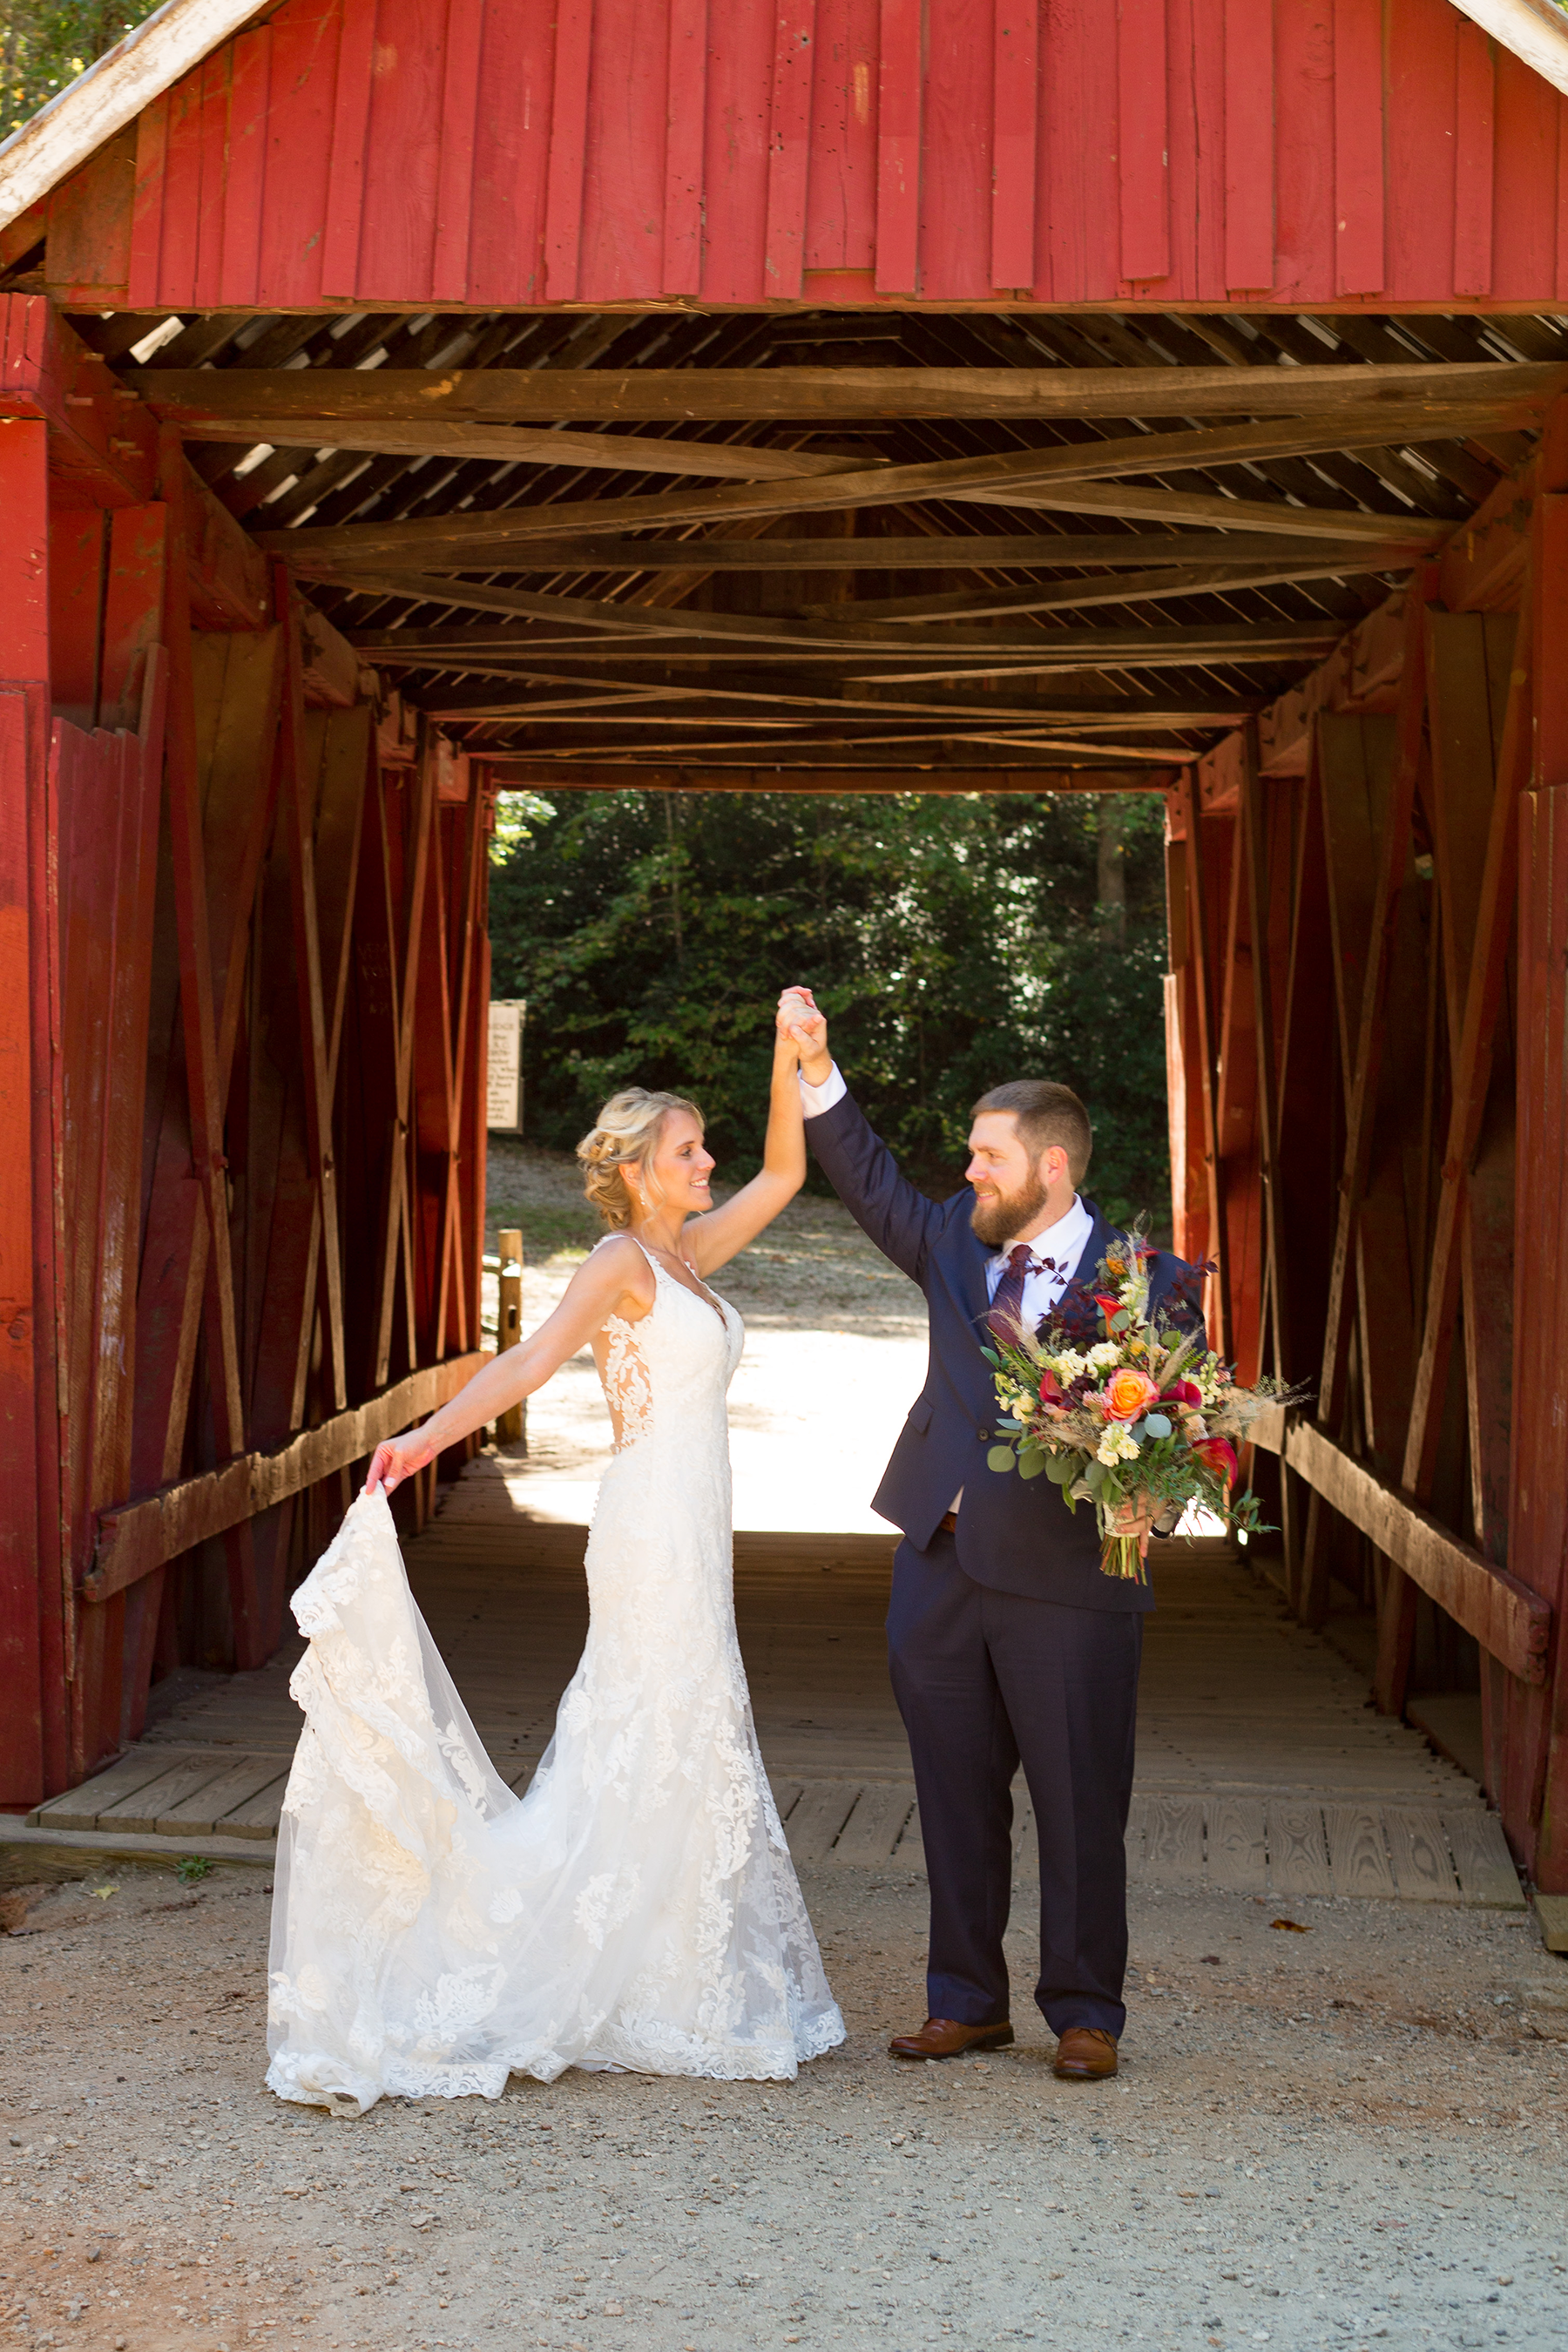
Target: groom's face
{"x": 1011, "y": 1190}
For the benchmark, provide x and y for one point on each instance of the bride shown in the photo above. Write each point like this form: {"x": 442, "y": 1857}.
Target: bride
{"x": 432, "y": 1933}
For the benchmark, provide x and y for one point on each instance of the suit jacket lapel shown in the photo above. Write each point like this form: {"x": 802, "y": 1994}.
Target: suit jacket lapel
{"x": 972, "y": 1288}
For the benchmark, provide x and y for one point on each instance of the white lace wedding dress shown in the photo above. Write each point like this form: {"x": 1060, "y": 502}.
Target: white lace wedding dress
{"x": 431, "y": 1932}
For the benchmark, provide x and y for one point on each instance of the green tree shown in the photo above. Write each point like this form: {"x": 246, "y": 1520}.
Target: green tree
{"x": 45, "y": 44}
{"x": 954, "y": 941}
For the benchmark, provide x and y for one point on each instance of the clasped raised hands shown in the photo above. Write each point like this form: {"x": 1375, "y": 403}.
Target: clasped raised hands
{"x": 800, "y": 1020}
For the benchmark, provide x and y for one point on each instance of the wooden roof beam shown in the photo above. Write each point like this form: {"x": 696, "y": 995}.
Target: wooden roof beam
{"x": 943, "y": 551}
{"x": 196, "y": 398}
{"x": 1118, "y": 588}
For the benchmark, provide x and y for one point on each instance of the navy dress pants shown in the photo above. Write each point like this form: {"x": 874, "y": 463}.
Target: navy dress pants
{"x": 985, "y": 1680}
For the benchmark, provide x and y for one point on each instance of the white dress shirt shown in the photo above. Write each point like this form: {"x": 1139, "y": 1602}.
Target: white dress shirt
{"x": 1064, "y": 1242}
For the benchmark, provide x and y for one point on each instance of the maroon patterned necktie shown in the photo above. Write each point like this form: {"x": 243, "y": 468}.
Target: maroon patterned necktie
{"x": 1008, "y": 1302}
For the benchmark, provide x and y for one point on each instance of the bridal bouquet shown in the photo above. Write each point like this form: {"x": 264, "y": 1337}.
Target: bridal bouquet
{"x": 1112, "y": 1402}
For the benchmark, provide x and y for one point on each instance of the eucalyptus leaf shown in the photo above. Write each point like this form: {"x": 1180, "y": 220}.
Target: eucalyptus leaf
{"x": 1155, "y": 1425}
{"x": 1060, "y": 1469}
{"x": 999, "y": 1457}
{"x": 1031, "y": 1464}
{"x": 1094, "y": 1476}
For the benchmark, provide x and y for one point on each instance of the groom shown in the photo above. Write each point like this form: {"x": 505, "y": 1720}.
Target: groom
{"x": 1007, "y": 1642}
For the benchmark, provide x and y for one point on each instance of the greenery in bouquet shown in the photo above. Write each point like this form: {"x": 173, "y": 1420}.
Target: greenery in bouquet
{"x": 1114, "y": 1403}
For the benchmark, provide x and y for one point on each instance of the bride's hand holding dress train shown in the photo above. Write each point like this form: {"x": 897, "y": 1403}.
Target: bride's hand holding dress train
{"x": 637, "y": 1908}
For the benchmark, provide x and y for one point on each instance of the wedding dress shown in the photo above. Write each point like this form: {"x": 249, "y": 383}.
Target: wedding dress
{"x": 432, "y": 1933}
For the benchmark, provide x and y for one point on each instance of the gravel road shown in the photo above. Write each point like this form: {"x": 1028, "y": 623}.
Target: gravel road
{"x": 1343, "y": 2137}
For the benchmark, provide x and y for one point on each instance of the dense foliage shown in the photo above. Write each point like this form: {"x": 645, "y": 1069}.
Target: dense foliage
{"x": 43, "y": 44}
{"x": 953, "y": 943}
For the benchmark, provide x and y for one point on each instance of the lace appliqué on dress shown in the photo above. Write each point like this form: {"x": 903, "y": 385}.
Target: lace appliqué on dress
{"x": 628, "y": 1389}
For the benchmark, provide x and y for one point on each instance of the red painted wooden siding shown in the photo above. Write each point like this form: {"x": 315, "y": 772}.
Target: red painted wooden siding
{"x": 395, "y": 152}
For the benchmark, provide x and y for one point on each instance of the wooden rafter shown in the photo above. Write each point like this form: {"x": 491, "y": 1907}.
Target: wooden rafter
{"x": 1008, "y": 478}
{"x": 194, "y": 397}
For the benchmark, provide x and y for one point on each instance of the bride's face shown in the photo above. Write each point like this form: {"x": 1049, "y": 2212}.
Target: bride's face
{"x": 681, "y": 1168}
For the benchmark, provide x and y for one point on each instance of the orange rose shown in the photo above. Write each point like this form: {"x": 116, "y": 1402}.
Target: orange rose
{"x": 1127, "y": 1393}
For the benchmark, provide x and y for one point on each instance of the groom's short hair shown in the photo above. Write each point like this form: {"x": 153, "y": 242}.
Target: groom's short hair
{"x": 1045, "y": 1114}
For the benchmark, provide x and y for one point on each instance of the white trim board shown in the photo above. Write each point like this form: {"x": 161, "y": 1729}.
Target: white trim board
{"x": 112, "y": 92}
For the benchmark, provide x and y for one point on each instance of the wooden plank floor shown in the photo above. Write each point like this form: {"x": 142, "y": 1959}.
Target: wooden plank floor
{"x": 1261, "y": 1767}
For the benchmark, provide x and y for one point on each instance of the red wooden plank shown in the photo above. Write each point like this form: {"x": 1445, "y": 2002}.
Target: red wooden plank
{"x": 957, "y": 114}
{"x": 1423, "y": 49}
{"x": 841, "y": 190}
{"x": 147, "y": 205}
{"x": 1195, "y": 42}
{"x": 176, "y": 288}
{"x": 1359, "y": 264}
{"x": 1473, "y": 162}
{"x": 298, "y": 818}
{"x": 1014, "y": 122}
{"x": 1142, "y": 140}
{"x": 1527, "y": 121}
{"x": 298, "y": 152}
{"x": 735, "y": 155}
{"x": 33, "y": 1754}
{"x": 404, "y": 152}
{"x": 136, "y": 890}
{"x": 1248, "y": 146}
{"x": 620, "y": 255}
{"x": 351, "y": 138}
{"x": 899, "y": 87}
{"x": 789, "y": 138}
{"x": 685, "y": 119}
{"x": 511, "y": 158}
{"x": 249, "y": 90}
{"x": 1078, "y": 184}
{"x": 213, "y": 147}
{"x": 454, "y": 181}
{"x": 1392, "y": 856}
{"x": 1561, "y": 206}
{"x": 568, "y": 149}
{"x": 78, "y": 541}
{"x": 1537, "y": 1758}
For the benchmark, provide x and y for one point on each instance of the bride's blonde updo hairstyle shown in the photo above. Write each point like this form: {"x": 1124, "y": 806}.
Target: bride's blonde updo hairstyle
{"x": 626, "y": 1136}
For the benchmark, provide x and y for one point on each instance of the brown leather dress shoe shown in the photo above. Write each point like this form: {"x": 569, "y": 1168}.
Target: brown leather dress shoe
{"x": 1085, "y": 2053}
{"x": 940, "y": 2037}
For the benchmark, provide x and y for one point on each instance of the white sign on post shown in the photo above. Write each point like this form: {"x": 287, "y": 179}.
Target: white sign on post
{"x": 504, "y": 1114}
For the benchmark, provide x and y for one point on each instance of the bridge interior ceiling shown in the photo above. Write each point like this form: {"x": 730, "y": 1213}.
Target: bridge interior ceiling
{"x": 1080, "y": 543}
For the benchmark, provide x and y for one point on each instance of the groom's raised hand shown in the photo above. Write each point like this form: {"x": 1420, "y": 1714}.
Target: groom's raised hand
{"x": 800, "y": 1018}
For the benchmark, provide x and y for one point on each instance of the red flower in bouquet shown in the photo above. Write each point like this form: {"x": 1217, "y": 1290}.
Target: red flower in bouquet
{"x": 1053, "y": 1396}
{"x": 1183, "y": 1392}
{"x": 1107, "y": 1305}
{"x": 1127, "y": 1393}
{"x": 1219, "y": 1455}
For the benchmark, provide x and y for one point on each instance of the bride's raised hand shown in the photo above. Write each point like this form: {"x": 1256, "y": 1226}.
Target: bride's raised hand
{"x": 396, "y": 1459}
{"x": 799, "y": 1018}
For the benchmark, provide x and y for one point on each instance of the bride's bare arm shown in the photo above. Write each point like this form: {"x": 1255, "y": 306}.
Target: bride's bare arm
{"x": 615, "y": 1280}
{"x": 714, "y": 1239}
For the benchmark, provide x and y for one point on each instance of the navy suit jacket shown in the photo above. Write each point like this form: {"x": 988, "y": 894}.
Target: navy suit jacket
{"x": 1014, "y": 1534}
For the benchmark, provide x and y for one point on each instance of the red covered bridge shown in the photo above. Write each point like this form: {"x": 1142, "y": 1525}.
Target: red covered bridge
{"x": 400, "y": 401}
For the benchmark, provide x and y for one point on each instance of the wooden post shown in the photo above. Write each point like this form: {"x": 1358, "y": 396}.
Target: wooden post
{"x": 1534, "y": 1795}
{"x": 510, "y": 1425}
{"x": 34, "y": 1607}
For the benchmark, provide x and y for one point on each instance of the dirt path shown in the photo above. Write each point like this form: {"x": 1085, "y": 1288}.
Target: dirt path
{"x": 1345, "y": 2138}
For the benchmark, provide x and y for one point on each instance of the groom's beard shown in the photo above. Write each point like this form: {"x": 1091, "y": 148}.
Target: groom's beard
{"x": 997, "y": 1221}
